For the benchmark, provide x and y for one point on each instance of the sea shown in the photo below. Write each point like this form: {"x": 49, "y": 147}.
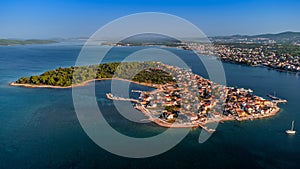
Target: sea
{"x": 39, "y": 127}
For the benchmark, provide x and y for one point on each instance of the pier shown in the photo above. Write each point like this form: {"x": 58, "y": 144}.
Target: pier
{"x": 279, "y": 101}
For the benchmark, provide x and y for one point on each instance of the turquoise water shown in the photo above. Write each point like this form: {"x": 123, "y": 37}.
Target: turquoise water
{"x": 39, "y": 128}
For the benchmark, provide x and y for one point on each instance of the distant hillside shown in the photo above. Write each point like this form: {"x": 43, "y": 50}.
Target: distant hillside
{"x": 284, "y": 37}
{"x": 7, "y": 42}
{"x": 149, "y": 39}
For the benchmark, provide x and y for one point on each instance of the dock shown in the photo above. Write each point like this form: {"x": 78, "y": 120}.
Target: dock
{"x": 279, "y": 101}
{"x": 206, "y": 128}
{"x": 276, "y": 99}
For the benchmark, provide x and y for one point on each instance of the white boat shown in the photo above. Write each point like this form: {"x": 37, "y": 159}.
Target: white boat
{"x": 291, "y": 131}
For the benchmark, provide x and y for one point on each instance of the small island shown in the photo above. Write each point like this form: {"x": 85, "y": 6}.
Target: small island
{"x": 10, "y": 42}
{"x": 180, "y": 99}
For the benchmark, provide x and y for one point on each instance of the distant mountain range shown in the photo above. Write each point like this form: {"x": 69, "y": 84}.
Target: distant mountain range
{"x": 284, "y": 37}
{"x": 149, "y": 39}
{"x": 156, "y": 39}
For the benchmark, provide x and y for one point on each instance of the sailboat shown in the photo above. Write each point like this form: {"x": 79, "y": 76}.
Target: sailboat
{"x": 273, "y": 96}
{"x": 291, "y": 131}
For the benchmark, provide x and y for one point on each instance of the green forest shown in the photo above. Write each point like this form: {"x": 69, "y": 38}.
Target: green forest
{"x": 147, "y": 72}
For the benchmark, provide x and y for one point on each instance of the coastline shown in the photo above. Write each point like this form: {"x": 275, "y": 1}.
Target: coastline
{"x": 171, "y": 125}
{"x": 80, "y": 84}
{"x": 203, "y": 125}
{"x": 164, "y": 123}
{"x": 259, "y": 65}
{"x": 268, "y": 115}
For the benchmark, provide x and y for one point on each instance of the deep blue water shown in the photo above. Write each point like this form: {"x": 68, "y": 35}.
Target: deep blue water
{"x": 39, "y": 127}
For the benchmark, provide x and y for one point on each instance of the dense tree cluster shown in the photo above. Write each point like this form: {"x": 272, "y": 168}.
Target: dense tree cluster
{"x": 149, "y": 72}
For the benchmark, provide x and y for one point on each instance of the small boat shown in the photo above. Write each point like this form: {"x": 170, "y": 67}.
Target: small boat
{"x": 211, "y": 130}
{"x": 291, "y": 131}
{"x": 273, "y": 96}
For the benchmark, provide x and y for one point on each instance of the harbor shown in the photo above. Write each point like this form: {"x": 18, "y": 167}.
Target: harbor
{"x": 193, "y": 123}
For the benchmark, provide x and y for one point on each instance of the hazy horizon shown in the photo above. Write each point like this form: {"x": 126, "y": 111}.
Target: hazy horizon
{"x": 86, "y": 37}
{"x": 48, "y": 19}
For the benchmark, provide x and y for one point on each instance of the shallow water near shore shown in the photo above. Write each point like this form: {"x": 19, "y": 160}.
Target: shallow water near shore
{"x": 39, "y": 127}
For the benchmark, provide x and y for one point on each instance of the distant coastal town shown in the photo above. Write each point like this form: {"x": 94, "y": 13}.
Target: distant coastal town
{"x": 284, "y": 57}
{"x": 275, "y": 51}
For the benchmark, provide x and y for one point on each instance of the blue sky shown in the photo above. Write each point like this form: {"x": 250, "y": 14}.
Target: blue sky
{"x": 77, "y": 18}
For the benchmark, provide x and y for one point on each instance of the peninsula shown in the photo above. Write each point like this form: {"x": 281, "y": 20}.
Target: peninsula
{"x": 181, "y": 98}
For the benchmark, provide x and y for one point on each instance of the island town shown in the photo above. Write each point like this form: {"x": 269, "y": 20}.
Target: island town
{"x": 194, "y": 101}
